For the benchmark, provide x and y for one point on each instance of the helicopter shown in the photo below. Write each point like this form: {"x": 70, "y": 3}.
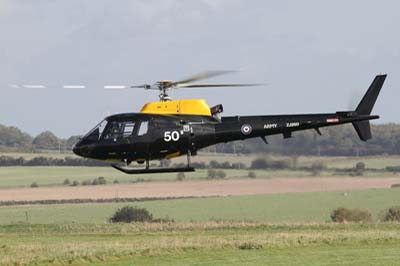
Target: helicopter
{"x": 170, "y": 128}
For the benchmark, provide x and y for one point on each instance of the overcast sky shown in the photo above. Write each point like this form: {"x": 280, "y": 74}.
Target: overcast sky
{"x": 316, "y": 56}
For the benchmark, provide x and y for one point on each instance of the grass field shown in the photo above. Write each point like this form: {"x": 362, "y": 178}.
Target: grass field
{"x": 23, "y": 176}
{"x": 53, "y": 176}
{"x": 200, "y": 244}
{"x": 276, "y": 229}
{"x": 275, "y": 208}
{"x": 331, "y": 161}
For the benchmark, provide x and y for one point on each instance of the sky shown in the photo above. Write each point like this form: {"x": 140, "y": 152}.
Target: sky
{"x": 315, "y": 56}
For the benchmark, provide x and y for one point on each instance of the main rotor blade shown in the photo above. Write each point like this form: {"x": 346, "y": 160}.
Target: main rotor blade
{"x": 31, "y": 86}
{"x": 216, "y": 85}
{"x": 74, "y": 87}
{"x": 144, "y": 86}
{"x": 201, "y": 76}
{"x": 115, "y": 87}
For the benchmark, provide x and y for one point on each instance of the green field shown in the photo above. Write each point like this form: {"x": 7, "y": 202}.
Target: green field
{"x": 23, "y": 176}
{"x": 278, "y": 229}
{"x": 200, "y": 244}
{"x": 54, "y": 176}
{"x": 378, "y": 162}
{"x": 276, "y": 208}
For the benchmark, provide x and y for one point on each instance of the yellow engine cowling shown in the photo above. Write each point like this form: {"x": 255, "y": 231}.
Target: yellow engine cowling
{"x": 179, "y": 107}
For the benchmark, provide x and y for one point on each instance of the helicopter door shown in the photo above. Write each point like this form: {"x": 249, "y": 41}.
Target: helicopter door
{"x": 142, "y": 137}
{"x": 189, "y": 131}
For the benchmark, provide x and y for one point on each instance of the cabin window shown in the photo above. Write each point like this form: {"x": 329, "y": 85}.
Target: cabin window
{"x": 128, "y": 129}
{"x": 144, "y": 127}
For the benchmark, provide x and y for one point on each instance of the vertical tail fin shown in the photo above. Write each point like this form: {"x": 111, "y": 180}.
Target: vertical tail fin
{"x": 369, "y": 99}
{"x": 365, "y": 107}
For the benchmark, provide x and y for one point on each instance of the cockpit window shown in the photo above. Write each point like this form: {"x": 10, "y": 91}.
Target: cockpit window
{"x": 96, "y": 132}
{"x": 119, "y": 129}
{"x": 144, "y": 127}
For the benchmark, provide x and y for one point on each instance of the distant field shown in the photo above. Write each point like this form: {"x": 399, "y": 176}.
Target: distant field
{"x": 200, "y": 244}
{"x": 23, "y": 176}
{"x": 53, "y": 176}
{"x": 379, "y": 162}
{"x": 274, "y": 208}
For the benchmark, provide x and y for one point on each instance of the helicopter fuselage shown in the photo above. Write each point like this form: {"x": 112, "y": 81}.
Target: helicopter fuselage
{"x": 165, "y": 130}
{"x": 143, "y": 137}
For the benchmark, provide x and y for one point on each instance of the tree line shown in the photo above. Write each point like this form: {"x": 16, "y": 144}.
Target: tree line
{"x": 48, "y": 161}
{"x": 335, "y": 141}
{"x": 13, "y": 139}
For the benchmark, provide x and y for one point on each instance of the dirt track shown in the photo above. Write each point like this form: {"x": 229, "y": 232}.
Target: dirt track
{"x": 198, "y": 188}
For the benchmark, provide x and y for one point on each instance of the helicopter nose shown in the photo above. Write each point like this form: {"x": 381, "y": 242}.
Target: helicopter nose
{"x": 83, "y": 149}
{"x": 77, "y": 150}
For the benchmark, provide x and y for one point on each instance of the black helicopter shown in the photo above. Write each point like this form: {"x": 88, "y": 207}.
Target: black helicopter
{"x": 168, "y": 129}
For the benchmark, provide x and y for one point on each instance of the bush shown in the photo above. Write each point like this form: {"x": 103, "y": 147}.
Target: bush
{"x": 395, "y": 186}
{"x": 252, "y": 174}
{"x": 343, "y": 215}
{"x": 214, "y": 174}
{"x": 267, "y": 163}
{"x": 211, "y": 174}
{"x": 239, "y": 166}
{"x": 128, "y": 214}
{"x": 214, "y": 164}
{"x": 99, "y": 181}
{"x": 259, "y": 164}
{"x": 180, "y": 176}
{"x": 66, "y": 182}
{"x": 393, "y": 169}
{"x": 359, "y": 169}
{"x": 86, "y": 183}
{"x": 221, "y": 174}
{"x": 226, "y": 165}
{"x": 34, "y": 184}
{"x": 392, "y": 214}
{"x": 199, "y": 165}
{"x": 317, "y": 168}
{"x": 75, "y": 183}
{"x": 116, "y": 181}
{"x": 249, "y": 246}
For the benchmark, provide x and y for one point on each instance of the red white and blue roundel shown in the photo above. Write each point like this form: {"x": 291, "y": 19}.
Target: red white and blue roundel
{"x": 246, "y": 129}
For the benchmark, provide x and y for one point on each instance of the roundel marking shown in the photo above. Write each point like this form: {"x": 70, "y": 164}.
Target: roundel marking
{"x": 246, "y": 129}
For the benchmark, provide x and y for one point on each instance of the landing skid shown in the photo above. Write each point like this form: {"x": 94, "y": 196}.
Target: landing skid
{"x": 147, "y": 170}
{"x": 153, "y": 171}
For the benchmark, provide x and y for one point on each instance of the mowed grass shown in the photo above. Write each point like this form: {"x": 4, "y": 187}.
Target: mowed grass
{"x": 275, "y": 208}
{"x": 200, "y": 244}
{"x": 55, "y": 175}
{"x": 378, "y": 162}
{"x": 355, "y": 254}
{"x": 23, "y": 176}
